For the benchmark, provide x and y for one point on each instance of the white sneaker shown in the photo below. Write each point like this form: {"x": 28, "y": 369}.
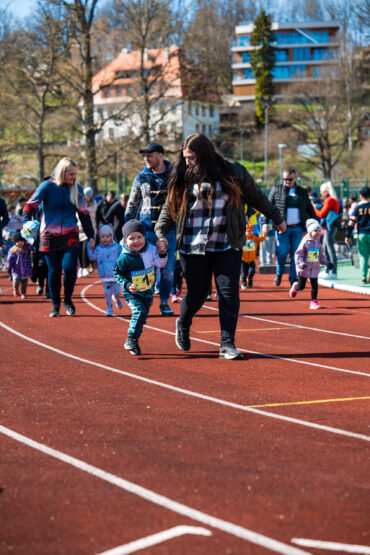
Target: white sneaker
{"x": 324, "y": 275}
{"x": 333, "y": 276}
{"x": 79, "y": 273}
{"x": 85, "y": 272}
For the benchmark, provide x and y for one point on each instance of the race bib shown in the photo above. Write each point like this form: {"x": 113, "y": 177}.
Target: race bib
{"x": 143, "y": 279}
{"x": 313, "y": 255}
{"x": 250, "y": 246}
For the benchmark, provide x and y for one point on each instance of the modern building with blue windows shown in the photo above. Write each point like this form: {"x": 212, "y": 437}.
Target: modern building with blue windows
{"x": 302, "y": 50}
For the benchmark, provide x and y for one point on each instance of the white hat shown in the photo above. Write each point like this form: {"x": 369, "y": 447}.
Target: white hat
{"x": 106, "y": 229}
{"x": 311, "y": 225}
{"x": 89, "y": 192}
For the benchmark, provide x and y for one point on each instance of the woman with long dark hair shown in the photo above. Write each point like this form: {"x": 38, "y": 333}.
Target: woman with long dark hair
{"x": 206, "y": 199}
{"x": 62, "y": 199}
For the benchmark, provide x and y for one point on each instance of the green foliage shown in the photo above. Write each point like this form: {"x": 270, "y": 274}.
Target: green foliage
{"x": 262, "y": 62}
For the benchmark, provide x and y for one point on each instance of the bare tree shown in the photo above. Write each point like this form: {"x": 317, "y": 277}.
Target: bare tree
{"x": 320, "y": 120}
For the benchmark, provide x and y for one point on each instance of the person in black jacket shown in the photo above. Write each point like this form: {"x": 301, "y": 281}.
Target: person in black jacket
{"x": 4, "y": 216}
{"x": 296, "y": 208}
{"x": 116, "y": 216}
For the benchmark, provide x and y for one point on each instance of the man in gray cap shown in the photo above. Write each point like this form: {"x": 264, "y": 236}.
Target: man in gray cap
{"x": 148, "y": 195}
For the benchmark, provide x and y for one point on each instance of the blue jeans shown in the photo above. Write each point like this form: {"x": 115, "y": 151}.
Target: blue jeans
{"x": 287, "y": 243}
{"x": 139, "y": 306}
{"x": 167, "y": 273}
{"x": 62, "y": 260}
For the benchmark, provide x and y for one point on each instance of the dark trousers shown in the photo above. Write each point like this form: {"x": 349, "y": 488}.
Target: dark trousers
{"x": 198, "y": 270}
{"x": 314, "y": 286}
{"x": 62, "y": 260}
{"x": 83, "y": 258}
{"x": 248, "y": 270}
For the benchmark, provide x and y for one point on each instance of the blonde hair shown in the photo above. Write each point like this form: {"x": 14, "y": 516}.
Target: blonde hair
{"x": 327, "y": 187}
{"x": 60, "y": 170}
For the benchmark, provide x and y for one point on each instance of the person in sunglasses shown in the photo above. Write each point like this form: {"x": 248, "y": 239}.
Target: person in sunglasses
{"x": 296, "y": 208}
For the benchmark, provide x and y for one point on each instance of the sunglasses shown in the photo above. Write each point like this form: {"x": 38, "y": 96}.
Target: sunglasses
{"x": 288, "y": 178}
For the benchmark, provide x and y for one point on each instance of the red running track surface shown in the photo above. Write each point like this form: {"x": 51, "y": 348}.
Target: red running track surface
{"x": 183, "y": 453}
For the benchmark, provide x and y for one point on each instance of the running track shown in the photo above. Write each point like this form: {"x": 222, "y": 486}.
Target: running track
{"x": 183, "y": 453}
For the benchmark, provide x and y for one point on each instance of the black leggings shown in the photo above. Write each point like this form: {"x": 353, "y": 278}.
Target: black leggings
{"x": 314, "y": 286}
{"x": 198, "y": 270}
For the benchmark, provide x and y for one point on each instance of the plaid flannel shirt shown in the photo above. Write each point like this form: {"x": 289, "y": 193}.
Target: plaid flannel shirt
{"x": 205, "y": 229}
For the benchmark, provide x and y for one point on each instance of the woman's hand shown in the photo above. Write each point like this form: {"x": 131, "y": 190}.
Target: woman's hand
{"x": 92, "y": 243}
{"x": 161, "y": 245}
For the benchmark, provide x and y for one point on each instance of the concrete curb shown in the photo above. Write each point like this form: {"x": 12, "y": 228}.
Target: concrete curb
{"x": 344, "y": 287}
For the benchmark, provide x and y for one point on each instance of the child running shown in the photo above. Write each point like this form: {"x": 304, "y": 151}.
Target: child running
{"x": 249, "y": 256}
{"x": 19, "y": 262}
{"x": 135, "y": 271}
{"x": 106, "y": 255}
{"x": 308, "y": 258}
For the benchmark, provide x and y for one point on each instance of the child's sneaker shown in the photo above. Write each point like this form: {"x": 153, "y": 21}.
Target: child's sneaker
{"x": 243, "y": 286}
{"x": 174, "y": 298}
{"x": 109, "y": 311}
{"x": 23, "y": 296}
{"x": 314, "y": 305}
{"x": 132, "y": 345}
{"x": 117, "y": 300}
{"x": 15, "y": 292}
{"x": 209, "y": 298}
{"x": 294, "y": 290}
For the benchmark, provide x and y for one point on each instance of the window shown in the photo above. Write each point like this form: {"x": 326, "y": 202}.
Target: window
{"x": 204, "y": 110}
{"x": 248, "y": 74}
{"x": 301, "y": 54}
{"x": 210, "y": 130}
{"x": 246, "y": 57}
{"x": 197, "y": 128}
{"x": 118, "y": 91}
{"x": 204, "y": 128}
{"x": 196, "y": 109}
{"x": 243, "y": 40}
{"x": 107, "y": 93}
{"x": 211, "y": 111}
{"x": 321, "y": 53}
{"x": 281, "y": 56}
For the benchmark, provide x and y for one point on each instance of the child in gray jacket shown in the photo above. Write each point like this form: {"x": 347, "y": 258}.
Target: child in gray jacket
{"x": 106, "y": 255}
{"x": 308, "y": 258}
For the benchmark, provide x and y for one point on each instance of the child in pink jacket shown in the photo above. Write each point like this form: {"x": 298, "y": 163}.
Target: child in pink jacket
{"x": 308, "y": 258}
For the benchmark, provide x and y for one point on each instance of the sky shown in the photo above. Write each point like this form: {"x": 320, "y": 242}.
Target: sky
{"x": 21, "y": 8}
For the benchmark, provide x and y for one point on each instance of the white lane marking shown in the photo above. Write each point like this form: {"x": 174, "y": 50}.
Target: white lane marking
{"x": 321, "y": 427}
{"x": 161, "y": 500}
{"x": 332, "y": 546}
{"x": 297, "y": 361}
{"x": 155, "y": 539}
{"x": 293, "y": 325}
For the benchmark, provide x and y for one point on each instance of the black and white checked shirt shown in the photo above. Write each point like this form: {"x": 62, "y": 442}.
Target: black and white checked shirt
{"x": 205, "y": 229}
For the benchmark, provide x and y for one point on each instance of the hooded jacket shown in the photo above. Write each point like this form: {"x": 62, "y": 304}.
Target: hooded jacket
{"x": 309, "y": 256}
{"x": 133, "y": 261}
{"x": 148, "y": 195}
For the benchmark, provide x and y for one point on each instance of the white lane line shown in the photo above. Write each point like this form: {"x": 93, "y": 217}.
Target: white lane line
{"x": 155, "y": 539}
{"x": 161, "y": 500}
{"x": 296, "y": 361}
{"x": 332, "y": 546}
{"x": 321, "y": 427}
{"x": 293, "y": 325}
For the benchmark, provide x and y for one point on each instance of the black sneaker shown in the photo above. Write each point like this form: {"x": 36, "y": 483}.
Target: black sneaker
{"x": 70, "y": 308}
{"x": 132, "y": 345}
{"x": 277, "y": 280}
{"x": 54, "y": 312}
{"x": 165, "y": 310}
{"x": 182, "y": 336}
{"x": 230, "y": 352}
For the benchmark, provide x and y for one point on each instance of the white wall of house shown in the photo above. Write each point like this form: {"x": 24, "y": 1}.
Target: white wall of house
{"x": 170, "y": 116}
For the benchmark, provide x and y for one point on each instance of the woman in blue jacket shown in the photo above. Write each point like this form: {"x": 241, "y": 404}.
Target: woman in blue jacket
{"x": 62, "y": 200}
